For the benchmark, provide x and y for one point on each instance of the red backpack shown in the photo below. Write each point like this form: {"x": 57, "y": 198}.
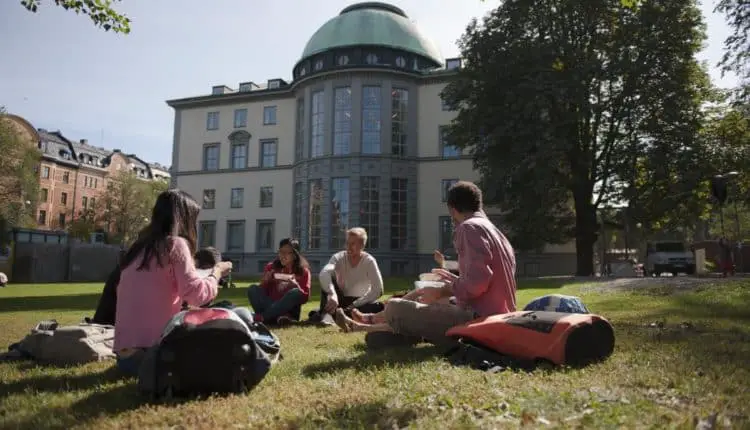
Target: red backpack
{"x": 533, "y": 336}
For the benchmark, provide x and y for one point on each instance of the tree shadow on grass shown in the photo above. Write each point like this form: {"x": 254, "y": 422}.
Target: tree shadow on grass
{"x": 372, "y": 414}
{"x": 370, "y": 359}
{"x": 104, "y": 400}
{"x": 50, "y": 303}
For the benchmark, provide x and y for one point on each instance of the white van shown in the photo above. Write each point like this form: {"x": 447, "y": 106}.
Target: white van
{"x": 668, "y": 256}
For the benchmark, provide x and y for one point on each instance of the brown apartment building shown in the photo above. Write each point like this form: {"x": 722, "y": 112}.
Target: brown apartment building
{"x": 74, "y": 174}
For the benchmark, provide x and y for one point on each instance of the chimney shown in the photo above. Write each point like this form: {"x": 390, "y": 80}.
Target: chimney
{"x": 84, "y": 141}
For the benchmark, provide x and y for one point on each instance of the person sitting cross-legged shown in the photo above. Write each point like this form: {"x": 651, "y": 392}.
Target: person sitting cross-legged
{"x": 284, "y": 288}
{"x": 350, "y": 280}
{"x": 486, "y": 285}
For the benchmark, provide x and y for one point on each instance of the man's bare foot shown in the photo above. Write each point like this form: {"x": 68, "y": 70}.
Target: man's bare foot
{"x": 346, "y": 324}
{"x": 360, "y": 317}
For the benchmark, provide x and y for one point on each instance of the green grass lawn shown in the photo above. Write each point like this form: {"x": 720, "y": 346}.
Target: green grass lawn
{"x": 656, "y": 377}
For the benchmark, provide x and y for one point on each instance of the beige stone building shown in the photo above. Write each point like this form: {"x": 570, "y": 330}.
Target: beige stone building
{"x": 354, "y": 138}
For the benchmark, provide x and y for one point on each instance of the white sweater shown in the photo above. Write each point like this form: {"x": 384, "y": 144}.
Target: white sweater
{"x": 363, "y": 280}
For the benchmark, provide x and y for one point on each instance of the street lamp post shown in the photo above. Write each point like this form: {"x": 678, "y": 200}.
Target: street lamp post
{"x": 720, "y": 192}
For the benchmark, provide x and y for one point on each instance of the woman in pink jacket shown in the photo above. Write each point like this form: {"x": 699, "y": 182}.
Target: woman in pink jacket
{"x": 158, "y": 275}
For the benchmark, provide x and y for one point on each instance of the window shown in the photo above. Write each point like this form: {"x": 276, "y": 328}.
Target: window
{"x": 64, "y": 198}
{"x": 369, "y": 212}
{"x": 61, "y": 221}
{"x": 342, "y": 121}
{"x": 212, "y": 121}
{"x": 399, "y": 268}
{"x": 453, "y": 63}
{"x": 92, "y": 203}
{"x": 239, "y": 155}
{"x": 264, "y": 235}
{"x": 240, "y": 118}
{"x": 84, "y": 202}
{"x": 444, "y": 105}
{"x": 66, "y": 177}
{"x": 339, "y": 211}
{"x": 268, "y": 153}
{"x": 371, "y": 59}
{"x": 300, "y": 139}
{"x": 401, "y": 62}
{"x": 45, "y": 172}
{"x": 298, "y": 208}
{"x": 211, "y": 157}
{"x": 317, "y": 116}
{"x": 399, "y": 121}
{"x": 315, "y": 217}
{"x": 446, "y": 185}
{"x": 43, "y": 195}
{"x": 274, "y": 84}
{"x": 42, "y": 217}
{"x": 445, "y": 240}
{"x": 342, "y": 60}
{"x": 206, "y": 233}
{"x": 236, "y": 198}
{"x": 209, "y": 199}
{"x": 235, "y": 236}
{"x": 269, "y": 115}
{"x": 371, "y": 120}
{"x": 319, "y": 65}
{"x": 447, "y": 150}
{"x": 398, "y": 213}
{"x": 266, "y": 197}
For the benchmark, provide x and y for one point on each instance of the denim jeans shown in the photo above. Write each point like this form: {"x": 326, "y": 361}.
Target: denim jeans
{"x": 270, "y": 310}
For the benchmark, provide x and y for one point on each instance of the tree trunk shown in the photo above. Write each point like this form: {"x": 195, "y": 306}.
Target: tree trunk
{"x": 586, "y": 232}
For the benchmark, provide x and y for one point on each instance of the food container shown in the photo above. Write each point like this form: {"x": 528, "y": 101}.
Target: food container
{"x": 283, "y": 276}
{"x": 450, "y": 265}
{"x": 429, "y": 277}
{"x": 423, "y": 284}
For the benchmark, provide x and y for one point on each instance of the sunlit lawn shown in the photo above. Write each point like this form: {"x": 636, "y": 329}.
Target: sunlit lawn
{"x": 656, "y": 378}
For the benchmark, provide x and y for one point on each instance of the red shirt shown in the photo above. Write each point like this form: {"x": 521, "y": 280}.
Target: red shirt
{"x": 276, "y": 289}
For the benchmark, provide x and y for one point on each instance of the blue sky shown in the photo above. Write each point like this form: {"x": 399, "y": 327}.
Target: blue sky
{"x": 60, "y": 72}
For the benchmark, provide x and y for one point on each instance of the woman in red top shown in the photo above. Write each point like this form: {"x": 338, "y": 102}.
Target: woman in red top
{"x": 285, "y": 285}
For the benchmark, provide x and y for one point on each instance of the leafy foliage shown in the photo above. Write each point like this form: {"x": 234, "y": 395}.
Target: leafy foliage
{"x": 101, "y": 12}
{"x": 557, "y": 100}
{"x": 19, "y": 186}
{"x": 126, "y": 206}
{"x": 737, "y": 45}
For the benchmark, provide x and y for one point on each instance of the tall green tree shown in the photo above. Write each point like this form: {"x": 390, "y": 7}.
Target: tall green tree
{"x": 557, "y": 99}
{"x": 737, "y": 44}
{"x": 101, "y": 12}
{"x": 126, "y": 206}
{"x": 19, "y": 182}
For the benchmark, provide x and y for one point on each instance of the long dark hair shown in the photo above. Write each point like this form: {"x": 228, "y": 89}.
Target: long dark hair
{"x": 300, "y": 262}
{"x": 175, "y": 214}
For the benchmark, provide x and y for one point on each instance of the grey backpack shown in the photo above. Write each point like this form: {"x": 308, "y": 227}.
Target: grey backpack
{"x": 65, "y": 345}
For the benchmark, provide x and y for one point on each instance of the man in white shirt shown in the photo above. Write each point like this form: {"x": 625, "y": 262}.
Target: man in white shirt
{"x": 351, "y": 279}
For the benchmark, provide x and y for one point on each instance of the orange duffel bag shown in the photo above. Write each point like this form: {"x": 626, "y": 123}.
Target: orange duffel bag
{"x": 533, "y": 336}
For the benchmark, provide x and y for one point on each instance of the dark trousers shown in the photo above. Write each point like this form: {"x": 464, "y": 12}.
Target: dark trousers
{"x": 289, "y": 304}
{"x": 346, "y": 301}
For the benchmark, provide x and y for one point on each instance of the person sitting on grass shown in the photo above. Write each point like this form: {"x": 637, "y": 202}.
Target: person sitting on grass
{"x": 207, "y": 258}
{"x": 486, "y": 286}
{"x": 350, "y": 280}
{"x": 158, "y": 274}
{"x": 284, "y": 288}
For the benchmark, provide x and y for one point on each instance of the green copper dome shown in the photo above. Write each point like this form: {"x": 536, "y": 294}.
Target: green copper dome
{"x": 372, "y": 23}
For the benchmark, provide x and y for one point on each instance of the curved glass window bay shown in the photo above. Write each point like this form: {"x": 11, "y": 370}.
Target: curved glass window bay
{"x": 399, "y": 124}
{"x": 371, "y": 107}
{"x": 342, "y": 123}
{"x": 317, "y": 133}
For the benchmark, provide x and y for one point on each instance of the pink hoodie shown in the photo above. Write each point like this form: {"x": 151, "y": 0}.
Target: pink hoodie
{"x": 147, "y": 299}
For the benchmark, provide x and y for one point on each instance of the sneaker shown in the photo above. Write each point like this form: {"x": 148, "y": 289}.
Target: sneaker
{"x": 284, "y": 320}
{"x": 314, "y": 316}
{"x": 327, "y": 319}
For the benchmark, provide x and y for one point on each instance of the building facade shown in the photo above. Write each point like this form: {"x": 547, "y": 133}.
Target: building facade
{"x": 356, "y": 138}
{"x": 73, "y": 175}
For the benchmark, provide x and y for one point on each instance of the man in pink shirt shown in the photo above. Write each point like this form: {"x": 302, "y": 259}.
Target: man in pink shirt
{"x": 486, "y": 285}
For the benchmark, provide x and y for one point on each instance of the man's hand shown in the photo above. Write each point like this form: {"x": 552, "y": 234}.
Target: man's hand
{"x": 445, "y": 275}
{"x": 426, "y": 295}
{"x": 439, "y": 258}
{"x": 332, "y": 304}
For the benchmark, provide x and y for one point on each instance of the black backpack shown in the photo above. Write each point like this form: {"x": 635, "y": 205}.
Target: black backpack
{"x": 207, "y": 351}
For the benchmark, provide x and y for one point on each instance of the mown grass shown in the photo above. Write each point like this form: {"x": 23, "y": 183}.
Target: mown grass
{"x": 658, "y": 377}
